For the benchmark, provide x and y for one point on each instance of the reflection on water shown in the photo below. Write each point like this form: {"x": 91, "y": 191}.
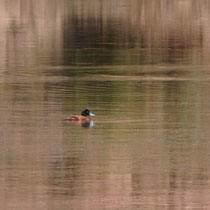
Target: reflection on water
{"x": 142, "y": 67}
{"x": 84, "y": 124}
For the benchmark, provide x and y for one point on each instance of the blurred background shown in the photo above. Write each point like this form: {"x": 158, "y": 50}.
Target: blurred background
{"x": 142, "y": 67}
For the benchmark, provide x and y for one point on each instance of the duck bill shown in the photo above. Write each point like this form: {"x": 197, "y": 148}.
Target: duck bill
{"x": 91, "y": 114}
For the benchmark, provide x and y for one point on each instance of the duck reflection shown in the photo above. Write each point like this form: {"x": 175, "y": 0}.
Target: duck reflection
{"x": 85, "y": 124}
{"x": 88, "y": 124}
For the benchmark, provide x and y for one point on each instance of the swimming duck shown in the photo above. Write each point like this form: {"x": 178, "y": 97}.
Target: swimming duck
{"x": 84, "y": 117}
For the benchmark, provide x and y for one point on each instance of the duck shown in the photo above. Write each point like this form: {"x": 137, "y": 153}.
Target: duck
{"x": 84, "y": 117}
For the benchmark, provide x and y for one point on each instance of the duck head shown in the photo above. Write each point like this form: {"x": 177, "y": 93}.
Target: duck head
{"x": 86, "y": 113}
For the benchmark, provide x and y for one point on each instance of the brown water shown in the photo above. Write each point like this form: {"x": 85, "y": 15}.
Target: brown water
{"x": 143, "y": 67}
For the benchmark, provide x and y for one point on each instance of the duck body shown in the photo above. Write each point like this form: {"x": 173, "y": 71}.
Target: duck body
{"x": 84, "y": 117}
{"x": 78, "y": 118}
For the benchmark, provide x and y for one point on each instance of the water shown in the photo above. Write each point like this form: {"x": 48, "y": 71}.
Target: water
{"x": 142, "y": 67}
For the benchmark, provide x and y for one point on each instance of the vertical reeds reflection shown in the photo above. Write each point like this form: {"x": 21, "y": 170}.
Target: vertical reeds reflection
{"x": 106, "y": 32}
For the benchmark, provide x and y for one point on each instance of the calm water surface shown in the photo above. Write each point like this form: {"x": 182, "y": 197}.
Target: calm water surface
{"x": 143, "y": 67}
